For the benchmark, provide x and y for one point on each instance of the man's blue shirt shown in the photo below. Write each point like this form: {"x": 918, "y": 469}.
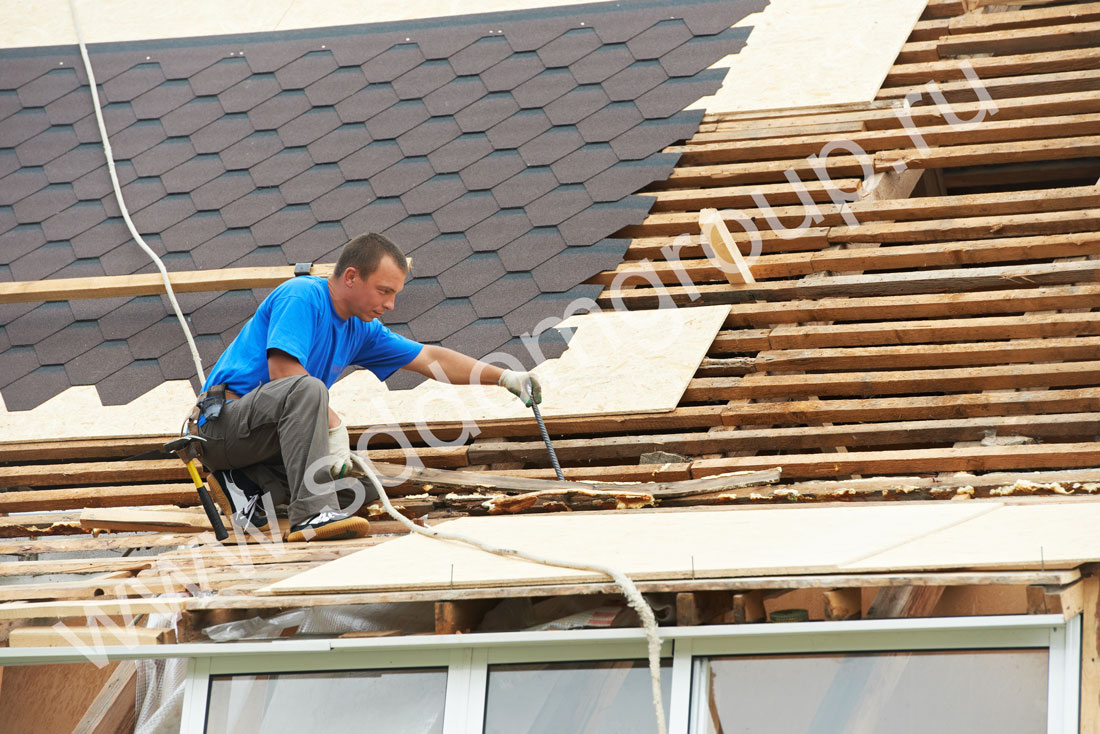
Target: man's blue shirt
{"x": 298, "y": 318}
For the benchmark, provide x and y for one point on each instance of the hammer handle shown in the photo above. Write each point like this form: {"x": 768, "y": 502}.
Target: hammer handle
{"x": 212, "y": 513}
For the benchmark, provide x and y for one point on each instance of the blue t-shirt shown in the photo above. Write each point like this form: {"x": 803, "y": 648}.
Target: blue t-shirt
{"x": 298, "y": 318}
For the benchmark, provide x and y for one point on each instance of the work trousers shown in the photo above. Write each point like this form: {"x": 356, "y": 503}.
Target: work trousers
{"x": 278, "y": 436}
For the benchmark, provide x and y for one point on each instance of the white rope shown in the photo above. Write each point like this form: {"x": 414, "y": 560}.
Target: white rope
{"x": 630, "y": 591}
{"x": 122, "y": 204}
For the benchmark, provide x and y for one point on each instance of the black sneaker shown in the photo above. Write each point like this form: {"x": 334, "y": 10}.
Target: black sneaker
{"x": 239, "y": 498}
{"x": 329, "y": 526}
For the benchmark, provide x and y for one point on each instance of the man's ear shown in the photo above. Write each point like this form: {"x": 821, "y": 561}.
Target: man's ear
{"x": 349, "y": 275}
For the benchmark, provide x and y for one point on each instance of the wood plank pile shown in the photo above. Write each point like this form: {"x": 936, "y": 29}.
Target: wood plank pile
{"x": 923, "y": 325}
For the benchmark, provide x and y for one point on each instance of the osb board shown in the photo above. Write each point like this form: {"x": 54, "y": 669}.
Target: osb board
{"x": 804, "y": 53}
{"x": 49, "y": 22}
{"x": 1017, "y": 536}
{"x": 645, "y": 545}
{"x": 617, "y": 362}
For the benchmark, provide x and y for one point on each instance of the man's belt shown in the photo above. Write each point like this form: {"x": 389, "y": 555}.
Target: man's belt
{"x": 209, "y": 406}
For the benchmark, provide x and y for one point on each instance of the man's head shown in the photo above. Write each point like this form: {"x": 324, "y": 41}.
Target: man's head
{"x": 368, "y": 276}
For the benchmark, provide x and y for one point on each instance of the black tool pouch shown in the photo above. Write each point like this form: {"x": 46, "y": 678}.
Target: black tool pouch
{"x": 210, "y": 404}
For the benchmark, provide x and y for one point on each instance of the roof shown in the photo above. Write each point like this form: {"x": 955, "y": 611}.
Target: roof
{"x": 502, "y": 158}
{"x": 941, "y": 346}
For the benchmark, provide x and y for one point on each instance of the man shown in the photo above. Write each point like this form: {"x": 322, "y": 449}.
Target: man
{"x": 274, "y": 431}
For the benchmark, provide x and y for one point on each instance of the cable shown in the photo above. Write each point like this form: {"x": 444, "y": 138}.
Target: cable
{"x": 122, "y": 205}
{"x": 633, "y": 597}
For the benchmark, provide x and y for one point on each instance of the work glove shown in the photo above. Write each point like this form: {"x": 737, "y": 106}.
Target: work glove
{"x": 345, "y": 462}
{"x": 524, "y": 385}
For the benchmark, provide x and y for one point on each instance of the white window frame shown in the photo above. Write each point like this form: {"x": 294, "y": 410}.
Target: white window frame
{"x": 467, "y": 657}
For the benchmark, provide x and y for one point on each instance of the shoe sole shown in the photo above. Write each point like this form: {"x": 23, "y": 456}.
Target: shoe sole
{"x": 221, "y": 498}
{"x": 349, "y": 527}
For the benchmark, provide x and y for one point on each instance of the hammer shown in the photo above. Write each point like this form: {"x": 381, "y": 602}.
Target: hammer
{"x": 187, "y": 448}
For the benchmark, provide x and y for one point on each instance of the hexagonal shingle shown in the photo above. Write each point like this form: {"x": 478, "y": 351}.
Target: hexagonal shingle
{"x": 569, "y": 46}
{"x": 220, "y": 76}
{"x": 639, "y": 77}
{"x": 455, "y": 95}
{"x": 309, "y": 126}
{"x": 609, "y": 122}
{"x": 105, "y": 359}
{"x": 69, "y": 108}
{"x": 393, "y": 62}
{"x": 35, "y": 388}
{"x": 518, "y": 129}
{"x": 306, "y": 70}
{"x": 526, "y": 186}
{"x": 412, "y": 232}
{"x": 336, "y": 86}
{"x": 532, "y": 248}
{"x": 218, "y": 192}
{"x": 429, "y": 135}
{"x": 229, "y": 246}
{"x": 422, "y": 79}
{"x": 22, "y": 182}
{"x": 278, "y": 110}
{"x": 544, "y": 88}
{"x": 511, "y": 72}
{"x": 66, "y": 224}
{"x": 486, "y": 112}
{"x": 24, "y": 124}
{"x": 577, "y": 104}
{"x": 659, "y": 39}
{"x": 601, "y": 63}
{"x": 340, "y": 143}
{"x": 642, "y": 139}
{"x": 433, "y": 194}
{"x": 192, "y": 116}
{"x": 465, "y": 211}
{"x": 401, "y": 176}
{"x": 379, "y": 215}
{"x": 39, "y": 323}
{"x": 162, "y": 99}
{"x": 667, "y": 99}
{"x": 498, "y": 229}
{"x": 694, "y": 56}
{"x": 311, "y": 184}
{"x": 460, "y": 152}
{"x": 502, "y": 295}
{"x": 192, "y": 231}
{"x": 76, "y": 338}
{"x": 480, "y": 55}
{"x": 445, "y": 319}
{"x": 50, "y": 86}
{"x": 366, "y": 102}
{"x": 225, "y": 311}
{"x": 163, "y": 157}
{"x": 315, "y": 242}
{"x": 133, "y": 82}
{"x": 250, "y": 209}
{"x": 555, "y": 143}
{"x": 471, "y": 275}
{"x": 163, "y": 213}
{"x": 18, "y": 362}
{"x": 75, "y": 163}
{"x": 44, "y": 203}
{"x": 418, "y": 295}
{"x": 47, "y": 145}
{"x": 281, "y": 167}
{"x": 397, "y": 119}
{"x": 560, "y": 274}
{"x": 342, "y": 201}
{"x": 440, "y": 253}
{"x": 192, "y": 174}
{"x": 130, "y": 382}
{"x": 140, "y": 313}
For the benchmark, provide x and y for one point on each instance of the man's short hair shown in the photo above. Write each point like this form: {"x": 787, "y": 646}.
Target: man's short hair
{"x": 364, "y": 253}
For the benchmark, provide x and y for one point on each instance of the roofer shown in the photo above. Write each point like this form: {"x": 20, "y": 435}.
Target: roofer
{"x": 264, "y": 410}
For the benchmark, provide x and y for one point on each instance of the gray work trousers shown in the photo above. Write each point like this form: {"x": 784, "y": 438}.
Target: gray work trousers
{"x": 278, "y": 436}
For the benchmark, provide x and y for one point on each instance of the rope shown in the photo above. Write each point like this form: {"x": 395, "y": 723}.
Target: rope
{"x": 122, "y": 205}
{"x": 630, "y": 591}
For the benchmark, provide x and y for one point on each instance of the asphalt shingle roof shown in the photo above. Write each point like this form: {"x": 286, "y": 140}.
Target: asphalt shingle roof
{"x": 500, "y": 155}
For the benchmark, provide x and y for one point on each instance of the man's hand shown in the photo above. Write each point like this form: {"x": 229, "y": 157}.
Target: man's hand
{"x": 524, "y": 385}
{"x": 339, "y": 447}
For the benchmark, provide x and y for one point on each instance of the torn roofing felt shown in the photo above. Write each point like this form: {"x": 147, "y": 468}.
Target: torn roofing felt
{"x": 501, "y": 152}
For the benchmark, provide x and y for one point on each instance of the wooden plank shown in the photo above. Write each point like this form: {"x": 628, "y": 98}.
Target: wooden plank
{"x": 925, "y": 305}
{"x": 842, "y": 604}
{"x": 977, "y": 458}
{"x": 47, "y": 699}
{"x": 183, "y": 495}
{"x": 197, "y": 281}
{"x": 92, "y": 472}
{"x": 727, "y": 255}
{"x": 981, "y": 227}
{"x": 892, "y": 433}
{"x": 1090, "y": 656}
{"x": 144, "y": 520}
{"x": 900, "y": 382}
{"x": 123, "y": 635}
{"x": 943, "y": 9}
{"x": 933, "y": 331}
{"x": 921, "y": 357}
{"x": 990, "y": 153}
{"x": 1034, "y": 174}
{"x": 1006, "y": 87}
{"x": 68, "y": 545}
{"x": 703, "y": 607}
{"x": 905, "y": 283}
{"x": 933, "y": 407}
{"x": 86, "y": 565}
{"x": 85, "y": 608}
{"x": 904, "y": 602}
{"x": 995, "y": 66}
{"x": 1021, "y": 40}
{"x": 742, "y": 196}
{"x": 733, "y": 584}
{"x": 989, "y": 131}
{"x": 460, "y": 617}
{"x": 113, "y": 711}
{"x": 1032, "y": 18}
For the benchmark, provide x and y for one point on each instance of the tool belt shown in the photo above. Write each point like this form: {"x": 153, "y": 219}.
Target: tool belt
{"x": 209, "y": 406}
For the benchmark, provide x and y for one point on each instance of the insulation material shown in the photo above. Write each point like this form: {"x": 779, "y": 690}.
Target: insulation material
{"x": 852, "y": 44}
{"x": 617, "y": 362}
{"x": 644, "y": 545}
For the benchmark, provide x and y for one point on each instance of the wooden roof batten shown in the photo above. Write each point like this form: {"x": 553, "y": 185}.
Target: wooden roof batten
{"x": 945, "y": 346}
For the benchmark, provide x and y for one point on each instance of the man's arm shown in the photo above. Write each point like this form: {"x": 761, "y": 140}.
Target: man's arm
{"x": 454, "y": 367}
{"x": 280, "y": 364}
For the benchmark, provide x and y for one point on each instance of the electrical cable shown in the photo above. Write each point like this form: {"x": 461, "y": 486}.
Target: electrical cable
{"x": 122, "y": 204}
{"x": 633, "y": 597}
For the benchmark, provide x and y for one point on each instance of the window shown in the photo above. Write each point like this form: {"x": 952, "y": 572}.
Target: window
{"x": 361, "y": 700}
{"x": 606, "y": 697}
{"x": 948, "y": 692}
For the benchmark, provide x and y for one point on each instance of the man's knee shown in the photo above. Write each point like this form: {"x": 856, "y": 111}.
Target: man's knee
{"x": 307, "y": 389}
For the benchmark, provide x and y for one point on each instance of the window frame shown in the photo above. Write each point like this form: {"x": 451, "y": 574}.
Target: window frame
{"x": 468, "y": 657}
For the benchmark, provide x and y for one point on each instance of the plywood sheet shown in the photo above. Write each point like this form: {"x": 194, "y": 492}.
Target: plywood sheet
{"x": 804, "y": 53}
{"x": 48, "y": 22}
{"x": 1060, "y": 535}
{"x": 647, "y": 546}
{"x": 617, "y": 362}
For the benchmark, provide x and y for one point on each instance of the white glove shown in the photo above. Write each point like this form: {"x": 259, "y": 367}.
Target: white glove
{"x": 345, "y": 462}
{"x": 524, "y": 385}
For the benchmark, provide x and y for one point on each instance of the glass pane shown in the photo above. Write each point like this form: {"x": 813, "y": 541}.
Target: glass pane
{"x": 606, "y": 697}
{"x": 368, "y": 701}
{"x": 957, "y": 692}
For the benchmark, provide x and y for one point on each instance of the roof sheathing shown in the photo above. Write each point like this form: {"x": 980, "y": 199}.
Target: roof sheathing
{"x": 499, "y": 151}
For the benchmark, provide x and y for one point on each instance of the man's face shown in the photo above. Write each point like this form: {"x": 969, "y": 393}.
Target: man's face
{"x": 371, "y": 297}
